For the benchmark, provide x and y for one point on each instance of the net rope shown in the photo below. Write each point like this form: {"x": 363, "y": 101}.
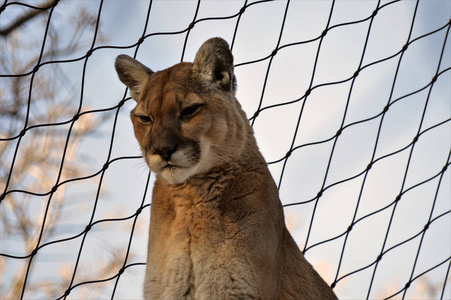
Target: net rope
{"x": 16, "y": 141}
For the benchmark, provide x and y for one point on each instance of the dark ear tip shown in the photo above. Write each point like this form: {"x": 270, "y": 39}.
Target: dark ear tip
{"x": 218, "y": 42}
{"x": 119, "y": 60}
{"x": 122, "y": 58}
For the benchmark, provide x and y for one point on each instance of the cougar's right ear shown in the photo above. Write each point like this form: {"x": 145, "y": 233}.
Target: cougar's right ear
{"x": 132, "y": 73}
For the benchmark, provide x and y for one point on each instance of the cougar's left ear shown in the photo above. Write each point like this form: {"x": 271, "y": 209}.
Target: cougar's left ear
{"x": 132, "y": 73}
{"x": 214, "y": 64}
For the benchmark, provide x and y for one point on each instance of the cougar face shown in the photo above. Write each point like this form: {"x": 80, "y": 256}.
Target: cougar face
{"x": 174, "y": 122}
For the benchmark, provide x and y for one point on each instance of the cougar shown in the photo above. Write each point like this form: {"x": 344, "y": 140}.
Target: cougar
{"x": 217, "y": 228}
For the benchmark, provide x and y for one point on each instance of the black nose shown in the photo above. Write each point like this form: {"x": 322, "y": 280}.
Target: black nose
{"x": 165, "y": 152}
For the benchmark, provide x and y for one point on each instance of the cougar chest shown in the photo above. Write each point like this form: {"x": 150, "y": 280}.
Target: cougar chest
{"x": 199, "y": 221}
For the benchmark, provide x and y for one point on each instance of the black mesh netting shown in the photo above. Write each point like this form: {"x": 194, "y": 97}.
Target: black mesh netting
{"x": 350, "y": 102}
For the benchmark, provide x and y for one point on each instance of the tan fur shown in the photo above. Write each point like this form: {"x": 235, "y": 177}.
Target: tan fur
{"x": 217, "y": 228}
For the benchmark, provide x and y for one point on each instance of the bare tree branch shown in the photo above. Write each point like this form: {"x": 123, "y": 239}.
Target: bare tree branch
{"x": 21, "y": 20}
{"x": 39, "y": 157}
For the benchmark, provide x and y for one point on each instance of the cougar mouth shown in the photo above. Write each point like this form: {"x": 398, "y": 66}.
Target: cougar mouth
{"x": 182, "y": 164}
{"x": 175, "y": 174}
{"x": 172, "y": 167}
{"x": 158, "y": 164}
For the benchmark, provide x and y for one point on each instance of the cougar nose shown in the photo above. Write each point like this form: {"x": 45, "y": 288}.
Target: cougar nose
{"x": 165, "y": 152}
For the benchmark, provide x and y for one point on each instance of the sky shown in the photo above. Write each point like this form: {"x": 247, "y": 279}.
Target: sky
{"x": 337, "y": 99}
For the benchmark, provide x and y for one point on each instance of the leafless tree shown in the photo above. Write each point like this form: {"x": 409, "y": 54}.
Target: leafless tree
{"x": 31, "y": 100}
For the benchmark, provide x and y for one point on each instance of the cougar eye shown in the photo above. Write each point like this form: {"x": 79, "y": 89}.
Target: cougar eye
{"x": 144, "y": 119}
{"x": 190, "y": 111}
